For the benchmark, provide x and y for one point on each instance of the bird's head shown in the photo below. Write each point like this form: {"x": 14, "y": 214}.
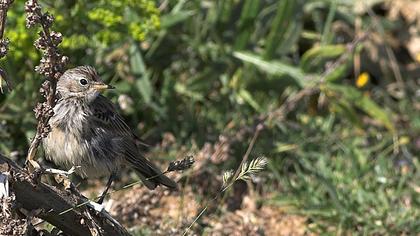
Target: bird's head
{"x": 82, "y": 82}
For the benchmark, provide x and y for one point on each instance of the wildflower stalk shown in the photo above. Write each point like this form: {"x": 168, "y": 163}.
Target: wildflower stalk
{"x": 4, "y": 43}
{"x": 51, "y": 66}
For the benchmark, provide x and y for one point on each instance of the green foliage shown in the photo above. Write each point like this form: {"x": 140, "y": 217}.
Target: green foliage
{"x": 342, "y": 177}
{"x": 88, "y": 27}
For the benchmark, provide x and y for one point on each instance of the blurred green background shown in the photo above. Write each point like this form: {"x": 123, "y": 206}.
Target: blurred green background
{"x": 335, "y": 84}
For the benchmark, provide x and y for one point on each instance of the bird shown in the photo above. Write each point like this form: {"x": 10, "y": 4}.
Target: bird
{"x": 87, "y": 132}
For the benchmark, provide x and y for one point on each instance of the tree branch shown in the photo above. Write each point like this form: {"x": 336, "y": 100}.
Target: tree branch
{"x": 50, "y": 202}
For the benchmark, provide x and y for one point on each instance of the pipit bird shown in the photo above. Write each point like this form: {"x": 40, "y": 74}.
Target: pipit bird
{"x": 88, "y": 132}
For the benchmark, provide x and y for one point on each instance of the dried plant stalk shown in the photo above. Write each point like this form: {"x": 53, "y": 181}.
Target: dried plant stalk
{"x": 4, "y": 43}
{"x": 52, "y": 67}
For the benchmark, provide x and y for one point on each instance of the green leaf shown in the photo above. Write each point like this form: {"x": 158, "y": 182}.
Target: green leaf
{"x": 272, "y": 67}
{"x": 138, "y": 68}
{"x": 284, "y": 17}
{"x": 247, "y": 97}
{"x": 364, "y": 103}
{"x": 338, "y": 72}
{"x": 348, "y": 111}
{"x": 285, "y": 147}
{"x": 182, "y": 89}
{"x": 316, "y": 57}
{"x": 246, "y": 23}
{"x": 174, "y": 18}
{"x": 327, "y": 34}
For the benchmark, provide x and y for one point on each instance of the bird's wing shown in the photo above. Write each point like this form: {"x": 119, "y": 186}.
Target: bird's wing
{"x": 105, "y": 116}
{"x": 106, "y": 119}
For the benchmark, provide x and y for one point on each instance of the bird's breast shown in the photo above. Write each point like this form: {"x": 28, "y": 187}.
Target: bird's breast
{"x": 67, "y": 145}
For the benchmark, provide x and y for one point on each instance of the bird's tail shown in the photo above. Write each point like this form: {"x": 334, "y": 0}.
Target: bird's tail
{"x": 151, "y": 176}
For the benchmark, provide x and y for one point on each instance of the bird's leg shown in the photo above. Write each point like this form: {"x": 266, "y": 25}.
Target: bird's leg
{"x": 108, "y": 185}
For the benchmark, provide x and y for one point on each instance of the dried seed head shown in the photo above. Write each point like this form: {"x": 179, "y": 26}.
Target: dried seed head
{"x": 49, "y": 111}
{"x": 40, "y": 43}
{"x": 4, "y": 47}
{"x": 5, "y": 4}
{"x": 56, "y": 38}
{"x": 38, "y": 110}
{"x": 45, "y": 131}
{"x": 45, "y": 86}
{"x": 64, "y": 60}
{"x": 47, "y": 20}
{"x": 181, "y": 165}
{"x": 33, "y": 13}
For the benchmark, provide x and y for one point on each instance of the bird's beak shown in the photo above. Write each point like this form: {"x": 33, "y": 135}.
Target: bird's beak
{"x": 101, "y": 86}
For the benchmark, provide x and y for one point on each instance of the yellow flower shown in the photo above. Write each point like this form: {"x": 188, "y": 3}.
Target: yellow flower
{"x": 403, "y": 140}
{"x": 418, "y": 57}
{"x": 362, "y": 80}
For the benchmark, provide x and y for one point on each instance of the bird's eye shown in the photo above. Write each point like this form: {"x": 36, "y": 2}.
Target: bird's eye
{"x": 83, "y": 82}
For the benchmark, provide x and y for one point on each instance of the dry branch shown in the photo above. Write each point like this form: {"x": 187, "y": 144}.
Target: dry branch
{"x": 48, "y": 202}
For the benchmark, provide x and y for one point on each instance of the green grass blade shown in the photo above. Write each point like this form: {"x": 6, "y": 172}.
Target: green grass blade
{"x": 281, "y": 22}
{"x": 246, "y": 23}
{"x": 364, "y": 103}
{"x": 327, "y": 33}
{"x": 272, "y": 67}
{"x": 316, "y": 57}
{"x": 172, "y": 19}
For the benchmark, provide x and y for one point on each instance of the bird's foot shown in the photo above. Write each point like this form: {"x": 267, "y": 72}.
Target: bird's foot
{"x": 61, "y": 172}
{"x": 62, "y": 176}
{"x": 33, "y": 166}
{"x": 34, "y": 169}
